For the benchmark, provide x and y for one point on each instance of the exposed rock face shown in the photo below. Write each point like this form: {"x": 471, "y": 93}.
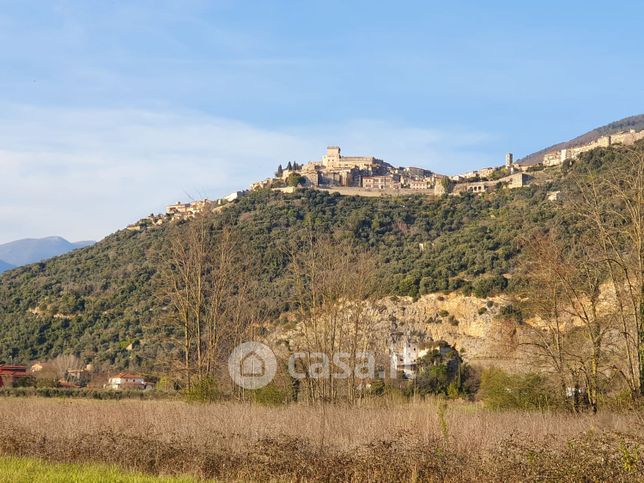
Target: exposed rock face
{"x": 473, "y": 326}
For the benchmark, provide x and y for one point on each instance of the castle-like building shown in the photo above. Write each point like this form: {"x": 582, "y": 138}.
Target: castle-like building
{"x": 334, "y": 160}
{"x": 337, "y": 170}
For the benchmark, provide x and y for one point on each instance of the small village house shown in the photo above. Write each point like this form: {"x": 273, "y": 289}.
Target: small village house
{"x": 126, "y": 381}
{"x": 10, "y": 375}
{"x": 78, "y": 377}
{"x": 380, "y": 182}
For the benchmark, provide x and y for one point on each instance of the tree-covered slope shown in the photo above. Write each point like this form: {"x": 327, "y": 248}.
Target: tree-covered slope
{"x": 95, "y": 301}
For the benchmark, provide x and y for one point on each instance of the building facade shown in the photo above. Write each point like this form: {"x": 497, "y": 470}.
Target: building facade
{"x": 125, "y": 381}
{"x": 380, "y": 182}
{"x": 333, "y": 159}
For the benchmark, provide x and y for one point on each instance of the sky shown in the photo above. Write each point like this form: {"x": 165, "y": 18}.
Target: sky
{"x": 110, "y": 110}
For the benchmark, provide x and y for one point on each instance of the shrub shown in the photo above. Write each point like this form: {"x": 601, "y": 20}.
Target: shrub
{"x": 500, "y": 390}
{"x": 453, "y": 391}
{"x": 487, "y": 286}
{"x": 270, "y": 395}
{"x": 204, "y": 390}
{"x": 438, "y": 370}
{"x": 512, "y": 312}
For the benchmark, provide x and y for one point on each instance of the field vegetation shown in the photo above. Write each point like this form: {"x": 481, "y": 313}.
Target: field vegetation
{"x": 387, "y": 441}
{"x": 29, "y": 470}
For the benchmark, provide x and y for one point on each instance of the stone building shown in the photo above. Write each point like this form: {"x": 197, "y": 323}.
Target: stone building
{"x": 334, "y": 160}
{"x": 516, "y": 180}
{"x": 626, "y": 138}
{"x": 485, "y": 172}
{"x": 380, "y": 182}
{"x": 421, "y": 184}
{"x": 340, "y": 177}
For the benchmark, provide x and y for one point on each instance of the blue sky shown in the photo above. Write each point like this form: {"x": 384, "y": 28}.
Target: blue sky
{"x": 111, "y": 109}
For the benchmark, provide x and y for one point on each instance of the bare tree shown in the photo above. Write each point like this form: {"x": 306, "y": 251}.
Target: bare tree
{"x": 206, "y": 286}
{"x": 63, "y": 363}
{"x": 544, "y": 295}
{"x": 588, "y": 272}
{"x": 611, "y": 203}
{"x": 332, "y": 281}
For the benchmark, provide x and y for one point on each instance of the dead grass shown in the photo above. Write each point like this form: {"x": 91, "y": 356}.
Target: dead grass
{"x": 398, "y": 442}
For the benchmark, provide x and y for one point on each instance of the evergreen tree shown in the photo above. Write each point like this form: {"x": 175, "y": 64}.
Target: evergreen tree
{"x": 279, "y": 172}
{"x": 289, "y": 166}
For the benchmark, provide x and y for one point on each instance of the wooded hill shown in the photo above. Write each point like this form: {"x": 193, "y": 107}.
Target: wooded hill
{"x": 100, "y": 301}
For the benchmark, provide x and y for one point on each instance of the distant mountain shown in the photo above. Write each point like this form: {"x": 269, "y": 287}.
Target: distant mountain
{"x": 633, "y": 122}
{"x": 24, "y": 252}
{"x": 4, "y": 266}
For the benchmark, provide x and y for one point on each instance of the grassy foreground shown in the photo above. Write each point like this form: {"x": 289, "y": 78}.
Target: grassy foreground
{"x": 20, "y": 470}
{"x": 386, "y": 441}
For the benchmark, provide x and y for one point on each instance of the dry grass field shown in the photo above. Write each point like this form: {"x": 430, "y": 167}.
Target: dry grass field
{"x": 386, "y": 442}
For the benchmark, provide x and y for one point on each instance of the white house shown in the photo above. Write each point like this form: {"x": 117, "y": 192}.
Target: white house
{"x": 126, "y": 380}
{"x": 405, "y": 355}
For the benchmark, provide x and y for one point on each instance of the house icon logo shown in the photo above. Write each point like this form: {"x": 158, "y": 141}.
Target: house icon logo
{"x": 252, "y": 365}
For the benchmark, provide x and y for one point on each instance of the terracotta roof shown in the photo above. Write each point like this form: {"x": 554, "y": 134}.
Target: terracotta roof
{"x": 128, "y": 375}
{"x": 13, "y": 370}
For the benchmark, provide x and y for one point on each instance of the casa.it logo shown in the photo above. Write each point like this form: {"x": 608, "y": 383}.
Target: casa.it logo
{"x": 252, "y": 365}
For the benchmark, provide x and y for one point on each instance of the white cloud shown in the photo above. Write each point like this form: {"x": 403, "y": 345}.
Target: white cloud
{"x": 83, "y": 173}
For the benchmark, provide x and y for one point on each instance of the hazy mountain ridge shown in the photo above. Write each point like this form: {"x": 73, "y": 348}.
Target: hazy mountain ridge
{"x": 632, "y": 122}
{"x": 4, "y": 266}
{"x": 33, "y": 250}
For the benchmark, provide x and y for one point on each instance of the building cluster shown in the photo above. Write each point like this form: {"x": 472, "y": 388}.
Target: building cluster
{"x": 73, "y": 378}
{"x": 557, "y": 157}
{"x": 334, "y": 169}
{"x": 516, "y": 180}
{"x": 362, "y": 173}
{"x": 487, "y": 173}
{"x": 372, "y": 174}
{"x": 337, "y": 170}
{"x": 184, "y": 211}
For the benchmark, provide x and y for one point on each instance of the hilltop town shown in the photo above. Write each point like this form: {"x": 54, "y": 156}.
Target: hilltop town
{"x": 371, "y": 176}
{"x": 557, "y": 157}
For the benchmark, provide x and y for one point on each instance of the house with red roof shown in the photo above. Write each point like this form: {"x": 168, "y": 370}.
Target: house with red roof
{"x": 126, "y": 380}
{"x": 11, "y": 374}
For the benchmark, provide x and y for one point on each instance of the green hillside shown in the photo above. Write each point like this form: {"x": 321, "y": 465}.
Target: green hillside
{"x": 95, "y": 301}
